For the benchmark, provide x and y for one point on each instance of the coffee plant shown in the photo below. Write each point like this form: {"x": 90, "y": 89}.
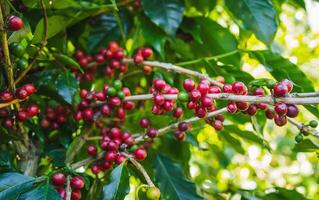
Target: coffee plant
{"x": 147, "y": 99}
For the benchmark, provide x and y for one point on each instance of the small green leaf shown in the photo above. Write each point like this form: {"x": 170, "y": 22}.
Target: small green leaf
{"x": 6, "y": 162}
{"x": 171, "y": 181}
{"x": 257, "y": 16}
{"x": 118, "y": 186}
{"x": 67, "y": 87}
{"x": 167, "y": 14}
{"x": 68, "y": 61}
{"x": 306, "y": 145}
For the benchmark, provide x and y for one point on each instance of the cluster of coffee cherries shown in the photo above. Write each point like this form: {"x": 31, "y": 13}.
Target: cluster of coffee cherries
{"x": 21, "y": 93}
{"x": 108, "y": 102}
{"x": 14, "y": 23}
{"x": 113, "y": 143}
{"x": 77, "y": 183}
{"x": 54, "y": 117}
{"x": 162, "y": 105}
{"x": 20, "y": 55}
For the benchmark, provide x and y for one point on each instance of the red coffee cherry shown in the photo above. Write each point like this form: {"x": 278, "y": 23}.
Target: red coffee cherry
{"x": 95, "y": 169}
{"x": 121, "y": 113}
{"x": 239, "y": 88}
{"x": 77, "y": 116}
{"x": 8, "y": 123}
{"x": 195, "y": 95}
{"x": 83, "y": 62}
{"x": 189, "y": 84}
{"x": 227, "y": 88}
{"x": 6, "y": 96}
{"x": 203, "y": 88}
{"x": 159, "y": 84}
{"x": 214, "y": 90}
{"x": 178, "y": 112}
{"x": 58, "y": 179}
{"x": 32, "y": 110}
{"x": 140, "y": 153}
{"x": 218, "y": 125}
{"x": 100, "y": 96}
{"x": 252, "y": 110}
{"x": 292, "y": 110}
{"x": 262, "y": 106}
{"x": 22, "y": 115}
{"x": 183, "y": 126}
{"x": 281, "y": 109}
{"x": 61, "y": 191}
{"x": 92, "y": 150}
{"x": 270, "y": 114}
{"x": 77, "y": 182}
{"x": 110, "y": 156}
{"x": 232, "y": 107}
{"x": 76, "y": 194}
{"x": 280, "y": 90}
{"x": 21, "y": 93}
{"x": 168, "y": 105}
{"x": 105, "y": 110}
{"x": 207, "y": 101}
{"x": 280, "y": 120}
{"x": 242, "y": 106}
{"x": 79, "y": 54}
{"x": 15, "y": 23}
{"x": 191, "y": 105}
{"x": 4, "y": 112}
{"x": 144, "y": 123}
{"x": 114, "y": 101}
{"x": 180, "y": 135}
{"x": 138, "y": 59}
{"x": 99, "y": 58}
{"x": 115, "y": 133}
{"x": 147, "y": 52}
{"x": 29, "y": 88}
{"x": 152, "y": 132}
{"x": 119, "y": 54}
{"x": 87, "y": 114}
{"x": 200, "y": 112}
{"x": 45, "y": 123}
{"x": 120, "y": 158}
{"x": 105, "y": 165}
{"x": 259, "y": 92}
{"x": 220, "y": 117}
{"x": 147, "y": 69}
{"x": 159, "y": 99}
{"x": 288, "y": 84}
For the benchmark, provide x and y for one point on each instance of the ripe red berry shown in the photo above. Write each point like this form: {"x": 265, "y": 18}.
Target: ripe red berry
{"x": 140, "y": 153}
{"x": 159, "y": 99}
{"x": 77, "y": 182}
{"x": 79, "y": 55}
{"x": 100, "y": 96}
{"x": 292, "y": 110}
{"x": 99, "y": 58}
{"x": 58, "y": 179}
{"x": 6, "y": 96}
{"x": 45, "y": 123}
{"x": 128, "y": 105}
{"x": 61, "y": 191}
{"x": 105, "y": 110}
{"x": 152, "y": 132}
{"x": 227, "y": 88}
{"x": 270, "y": 114}
{"x": 147, "y": 69}
{"x": 83, "y": 62}
{"x": 191, "y": 105}
{"x": 32, "y": 110}
{"x": 87, "y": 114}
{"x": 195, "y": 95}
{"x": 203, "y": 88}
{"x": 113, "y": 46}
{"x": 147, "y": 52}
{"x": 15, "y": 23}
{"x": 77, "y": 116}
{"x": 8, "y": 123}
{"x": 189, "y": 84}
{"x": 214, "y": 90}
{"x": 262, "y": 106}
{"x": 242, "y": 106}
{"x": 239, "y": 88}
{"x": 138, "y": 59}
{"x": 110, "y": 156}
{"x": 115, "y": 133}
{"x": 218, "y": 125}
{"x": 119, "y": 54}
{"x": 220, "y": 117}
{"x": 22, "y": 115}
{"x": 21, "y": 93}
{"x": 180, "y": 135}
{"x": 281, "y": 109}
{"x": 95, "y": 169}
{"x": 259, "y": 92}
{"x": 280, "y": 90}
{"x": 114, "y": 101}
{"x": 200, "y": 112}
{"x": 220, "y": 79}
{"x": 120, "y": 158}
{"x": 231, "y": 107}
{"x": 178, "y": 112}
{"x": 121, "y": 113}
{"x": 288, "y": 83}
{"x": 252, "y": 110}
{"x": 207, "y": 101}
{"x": 159, "y": 84}
{"x": 76, "y": 195}
{"x": 280, "y": 120}
{"x": 183, "y": 126}
{"x": 144, "y": 123}
{"x": 92, "y": 150}
{"x": 29, "y": 88}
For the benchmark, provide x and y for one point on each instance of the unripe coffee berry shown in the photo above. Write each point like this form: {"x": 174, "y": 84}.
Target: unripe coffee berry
{"x": 153, "y": 193}
{"x": 313, "y": 124}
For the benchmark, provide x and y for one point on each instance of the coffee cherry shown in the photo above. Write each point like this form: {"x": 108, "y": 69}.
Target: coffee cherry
{"x": 113, "y": 46}
{"x": 45, "y": 123}
{"x": 147, "y": 69}
{"x": 105, "y": 110}
{"x": 6, "y": 96}
{"x": 220, "y": 79}
{"x": 114, "y": 101}
{"x": 105, "y": 165}
{"x": 115, "y": 133}
{"x": 227, "y": 88}
{"x": 120, "y": 158}
{"x": 153, "y": 193}
{"x": 121, "y": 113}
{"x": 280, "y": 120}
{"x": 58, "y": 179}
{"x": 138, "y": 59}
{"x": 159, "y": 99}
{"x": 100, "y": 96}
{"x": 152, "y": 132}
{"x": 76, "y": 194}
{"x": 4, "y": 112}
{"x": 218, "y": 125}
{"x": 79, "y": 54}
{"x": 232, "y": 107}
{"x": 299, "y": 138}
{"x": 183, "y": 126}
{"x": 15, "y": 23}
{"x": 191, "y": 105}
{"x": 83, "y": 62}
{"x": 92, "y": 150}
{"x": 239, "y": 88}
{"x": 159, "y": 84}
{"x": 178, "y": 112}
{"x": 22, "y": 115}
{"x": 195, "y": 95}
{"x": 8, "y": 123}
{"x": 281, "y": 109}
{"x": 168, "y": 105}
{"x": 280, "y": 90}
{"x": 242, "y": 106}
{"x": 220, "y": 117}
{"x": 95, "y": 169}
{"x": 203, "y": 88}
{"x": 288, "y": 84}
{"x": 182, "y": 96}
{"x": 207, "y": 101}
{"x": 77, "y": 116}
{"x": 29, "y": 88}
{"x": 111, "y": 91}
{"x": 259, "y": 92}
{"x": 21, "y": 93}
{"x": 144, "y": 123}
{"x": 110, "y": 156}
{"x": 270, "y": 114}
{"x": 292, "y": 110}
{"x": 99, "y": 58}
{"x": 61, "y": 191}
{"x": 189, "y": 84}
{"x": 87, "y": 114}
{"x": 32, "y": 110}
{"x": 214, "y": 90}
{"x": 200, "y": 112}
{"x": 77, "y": 182}
{"x": 147, "y": 52}
{"x": 117, "y": 84}
{"x": 262, "y": 106}
{"x": 252, "y": 110}
{"x": 119, "y": 54}
{"x": 180, "y": 135}
{"x": 313, "y": 124}
{"x": 140, "y": 153}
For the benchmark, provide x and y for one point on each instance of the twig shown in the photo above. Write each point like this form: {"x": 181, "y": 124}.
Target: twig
{"x": 42, "y": 44}
{"x": 141, "y": 169}
{"x": 87, "y": 161}
{"x": 305, "y": 94}
{"x": 303, "y": 128}
{"x": 68, "y": 188}
{"x": 3, "y": 105}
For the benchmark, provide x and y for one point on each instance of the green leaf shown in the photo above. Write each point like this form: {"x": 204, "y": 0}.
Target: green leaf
{"x": 24, "y": 33}
{"x": 13, "y": 184}
{"x": 6, "y": 162}
{"x": 67, "y": 87}
{"x": 57, "y": 4}
{"x": 218, "y": 40}
{"x": 257, "y": 16}
{"x": 58, "y": 157}
{"x": 42, "y": 192}
{"x": 201, "y": 6}
{"x": 167, "y": 14}
{"x": 171, "y": 181}
{"x": 306, "y": 145}
{"x": 284, "y": 194}
{"x": 68, "y": 61}
{"x": 56, "y": 24}
{"x": 118, "y": 187}
{"x": 232, "y": 141}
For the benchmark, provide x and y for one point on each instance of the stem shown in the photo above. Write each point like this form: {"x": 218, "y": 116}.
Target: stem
{"x": 208, "y": 58}
{"x": 303, "y": 128}
{"x": 119, "y": 22}
{"x": 68, "y": 188}
{"x": 42, "y": 44}
{"x": 3, "y": 105}
{"x": 140, "y": 168}
{"x": 305, "y": 94}
{"x": 6, "y": 53}
{"x": 86, "y": 161}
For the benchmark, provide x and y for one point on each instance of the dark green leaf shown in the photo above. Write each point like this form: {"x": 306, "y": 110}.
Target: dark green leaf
{"x": 67, "y": 87}
{"x": 42, "y": 192}
{"x": 171, "y": 181}
{"x": 68, "y": 61}
{"x": 167, "y": 14}
{"x": 201, "y": 6}
{"x": 57, "y": 156}
{"x": 306, "y": 145}
{"x": 232, "y": 141}
{"x": 118, "y": 187}
{"x": 257, "y": 16}
{"x": 284, "y": 194}
{"x": 6, "y": 162}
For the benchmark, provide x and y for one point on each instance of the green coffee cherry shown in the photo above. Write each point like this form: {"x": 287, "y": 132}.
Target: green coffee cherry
{"x": 22, "y": 63}
{"x": 153, "y": 193}
{"x": 313, "y": 124}
{"x": 117, "y": 84}
{"x": 111, "y": 91}
{"x": 271, "y": 84}
{"x": 121, "y": 95}
{"x": 183, "y": 96}
{"x": 299, "y": 138}
{"x": 17, "y": 49}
